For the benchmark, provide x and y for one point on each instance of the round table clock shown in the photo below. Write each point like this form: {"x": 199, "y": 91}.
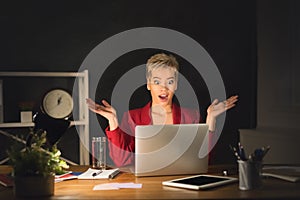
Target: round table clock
{"x": 58, "y": 104}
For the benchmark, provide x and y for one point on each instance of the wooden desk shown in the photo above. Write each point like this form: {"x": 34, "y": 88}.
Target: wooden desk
{"x": 153, "y": 189}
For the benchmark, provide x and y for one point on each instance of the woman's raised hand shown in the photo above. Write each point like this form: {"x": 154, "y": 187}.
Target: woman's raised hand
{"x": 105, "y": 110}
{"x": 217, "y": 108}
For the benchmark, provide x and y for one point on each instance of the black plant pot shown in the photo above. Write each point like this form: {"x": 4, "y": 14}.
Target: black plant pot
{"x": 34, "y": 186}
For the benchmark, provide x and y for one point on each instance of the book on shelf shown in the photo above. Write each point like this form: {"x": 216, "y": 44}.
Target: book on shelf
{"x": 6, "y": 180}
{"x": 99, "y": 174}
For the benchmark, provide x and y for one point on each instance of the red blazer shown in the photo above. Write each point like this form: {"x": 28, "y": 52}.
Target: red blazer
{"x": 122, "y": 141}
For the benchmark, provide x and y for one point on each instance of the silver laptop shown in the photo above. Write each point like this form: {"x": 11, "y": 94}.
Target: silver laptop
{"x": 170, "y": 149}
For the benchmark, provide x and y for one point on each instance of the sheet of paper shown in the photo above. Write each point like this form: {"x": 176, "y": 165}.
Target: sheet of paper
{"x": 105, "y": 186}
{"x": 116, "y": 186}
{"x": 130, "y": 185}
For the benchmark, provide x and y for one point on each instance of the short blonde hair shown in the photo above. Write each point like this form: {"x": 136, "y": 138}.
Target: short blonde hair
{"x": 161, "y": 60}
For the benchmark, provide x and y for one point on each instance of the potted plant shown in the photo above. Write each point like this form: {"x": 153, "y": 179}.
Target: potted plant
{"x": 35, "y": 166}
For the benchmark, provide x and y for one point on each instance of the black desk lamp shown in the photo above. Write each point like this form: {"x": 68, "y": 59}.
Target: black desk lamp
{"x": 55, "y": 128}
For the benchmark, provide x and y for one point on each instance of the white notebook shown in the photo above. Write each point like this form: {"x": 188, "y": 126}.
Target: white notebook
{"x": 99, "y": 174}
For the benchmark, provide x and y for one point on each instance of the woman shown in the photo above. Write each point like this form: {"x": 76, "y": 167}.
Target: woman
{"x": 162, "y": 77}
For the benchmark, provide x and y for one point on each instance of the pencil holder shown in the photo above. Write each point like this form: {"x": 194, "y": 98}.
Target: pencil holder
{"x": 249, "y": 174}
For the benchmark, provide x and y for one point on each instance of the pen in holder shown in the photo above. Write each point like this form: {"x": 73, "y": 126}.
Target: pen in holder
{"x": 249, "y": 174}
{"x": 250, "y": 168}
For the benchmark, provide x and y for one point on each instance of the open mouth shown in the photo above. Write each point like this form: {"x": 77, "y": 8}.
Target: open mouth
{"x": 163, "y": 97}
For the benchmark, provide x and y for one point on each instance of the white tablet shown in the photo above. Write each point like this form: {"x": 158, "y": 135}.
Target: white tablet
{"x": 200, "y": 182}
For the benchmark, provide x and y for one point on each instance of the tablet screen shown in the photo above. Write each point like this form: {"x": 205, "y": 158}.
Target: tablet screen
{"x": 200, "y": 180}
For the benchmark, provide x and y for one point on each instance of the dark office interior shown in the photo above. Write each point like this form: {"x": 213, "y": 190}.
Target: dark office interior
{"x": 254, "y": 44}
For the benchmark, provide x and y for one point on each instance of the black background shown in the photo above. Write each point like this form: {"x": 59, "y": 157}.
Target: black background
{"x": 58, "y": 35}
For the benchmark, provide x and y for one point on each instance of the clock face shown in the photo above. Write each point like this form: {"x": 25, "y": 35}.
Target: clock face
{"x": 58, "y": 104}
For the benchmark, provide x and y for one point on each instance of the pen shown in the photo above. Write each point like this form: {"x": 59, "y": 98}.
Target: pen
{"x": 112, "y": 175}
{"x": 242, "y": 152}
{"x": 235, "y": 152}
{"x": 266, "y": 150}
{"x": 259, "y": 154}
{"x": 96, "y": 173}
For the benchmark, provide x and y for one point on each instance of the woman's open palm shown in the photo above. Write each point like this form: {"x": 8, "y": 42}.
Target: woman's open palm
{"x": 105, "y": 110}
{"x": 217, "y": 108}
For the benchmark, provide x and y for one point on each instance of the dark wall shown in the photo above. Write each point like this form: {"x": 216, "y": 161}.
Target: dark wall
{"x": 51, "y": 36}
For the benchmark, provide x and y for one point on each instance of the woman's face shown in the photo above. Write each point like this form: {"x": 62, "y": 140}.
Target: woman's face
{"x": 162, "y": 85}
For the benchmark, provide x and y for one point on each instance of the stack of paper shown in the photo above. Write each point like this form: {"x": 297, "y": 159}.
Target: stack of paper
{"x": 288, "y": 173}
